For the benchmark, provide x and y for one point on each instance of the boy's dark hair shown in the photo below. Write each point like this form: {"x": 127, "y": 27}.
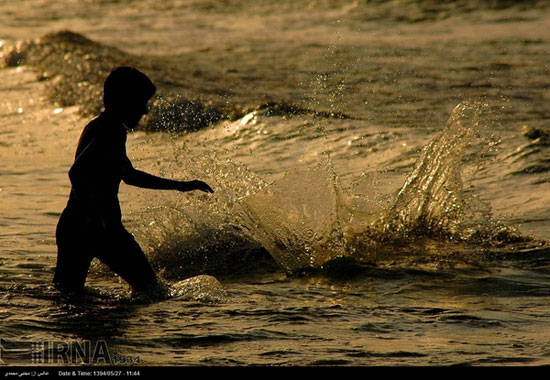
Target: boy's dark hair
{"x": 126, "y": 85}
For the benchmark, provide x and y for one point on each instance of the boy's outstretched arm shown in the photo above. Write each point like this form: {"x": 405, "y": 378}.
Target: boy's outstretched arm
{"x": 139, "y": 178}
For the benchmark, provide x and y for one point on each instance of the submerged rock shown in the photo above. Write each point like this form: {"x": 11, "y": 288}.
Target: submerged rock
{"x": 75, "y": 67}
{"x": 178, "y": 114}
{"x": 540, "y": 136}
{"x": 199, "y": 288}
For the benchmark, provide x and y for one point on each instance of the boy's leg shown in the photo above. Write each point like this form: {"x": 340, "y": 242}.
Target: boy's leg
{"x": 71, "y": 270}
{"x": 126, "y": 258}
{"x": 73, "y": 255}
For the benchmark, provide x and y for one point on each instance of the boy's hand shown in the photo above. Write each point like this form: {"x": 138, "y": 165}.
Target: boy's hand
{"x": 195, "y": 185}
{"x": 202, "y": 186}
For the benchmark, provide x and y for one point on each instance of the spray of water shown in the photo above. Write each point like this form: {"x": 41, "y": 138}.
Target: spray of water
{"x": 307, "y": 220}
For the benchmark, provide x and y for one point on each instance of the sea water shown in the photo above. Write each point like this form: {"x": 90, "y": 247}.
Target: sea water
{"x": 380, "y": 173}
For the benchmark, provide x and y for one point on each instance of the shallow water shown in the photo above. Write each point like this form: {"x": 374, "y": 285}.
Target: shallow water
{"x": 365, "y": 224}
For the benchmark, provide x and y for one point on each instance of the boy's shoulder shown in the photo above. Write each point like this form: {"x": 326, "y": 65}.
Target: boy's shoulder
{"x": 99, "y": 121}
{"x": 102, "y": 125}
{"x": 96, "y": 132}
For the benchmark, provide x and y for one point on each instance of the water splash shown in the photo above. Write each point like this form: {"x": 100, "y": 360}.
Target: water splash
{"x": 306, "y": 219}
{"x": 196, "y": 233}
{"x": 298, "y": 219}
{"x": 432, "y": 199}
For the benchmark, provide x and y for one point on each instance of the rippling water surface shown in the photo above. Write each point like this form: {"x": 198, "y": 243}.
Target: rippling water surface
{"x": 381, "y": 177}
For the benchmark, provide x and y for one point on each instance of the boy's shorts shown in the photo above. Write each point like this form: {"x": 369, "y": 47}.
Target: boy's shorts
{"x": 79, "y": 240}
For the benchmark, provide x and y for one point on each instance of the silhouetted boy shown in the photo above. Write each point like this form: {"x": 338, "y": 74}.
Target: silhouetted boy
{"x": 91, "y": 224}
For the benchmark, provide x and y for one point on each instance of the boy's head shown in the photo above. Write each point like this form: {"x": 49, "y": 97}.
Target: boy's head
{"x": 126, "y": 92}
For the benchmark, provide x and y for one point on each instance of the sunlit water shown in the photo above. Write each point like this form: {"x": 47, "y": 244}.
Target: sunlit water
{"x": 396, "y": 215}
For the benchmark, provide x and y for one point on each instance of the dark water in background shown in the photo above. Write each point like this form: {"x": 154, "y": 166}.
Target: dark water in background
{"x": 378, "y": 200}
